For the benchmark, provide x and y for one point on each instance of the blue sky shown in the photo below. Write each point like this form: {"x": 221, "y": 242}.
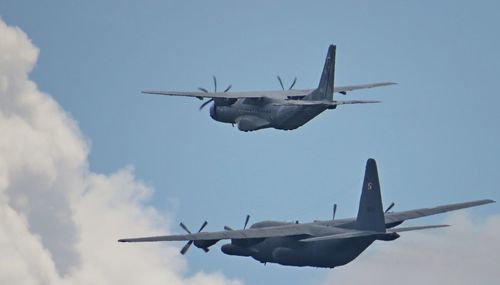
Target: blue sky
{"x": 435, "y": 136}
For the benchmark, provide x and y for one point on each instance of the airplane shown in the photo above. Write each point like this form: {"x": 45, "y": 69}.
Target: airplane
{"x": 283, "y": 109}
{"x": 326, "y": 244}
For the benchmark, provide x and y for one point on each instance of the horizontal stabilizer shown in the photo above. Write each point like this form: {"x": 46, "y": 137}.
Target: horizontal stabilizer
{"x": 407, "y": 229}
{"x": 345, "y": 89}
{"x": 322, "y": 103}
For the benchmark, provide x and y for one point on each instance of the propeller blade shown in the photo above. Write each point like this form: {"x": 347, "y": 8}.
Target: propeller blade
{"x": 389, "y": 208}
{"x": 334, "y": 211}
{"x": 227, "y": 89}
{"x": 226, "y": 228}
{"x": 293, "y": 83}
{"x": 185, "y": 248}
{"x": 206, "y": 103}
{"x": 281, "y": 82}
{"x": 203, "y": 226}
{"x": 203, "y": 89}
{"x": 246, "y": 221}
{"x": 185, "y": 228}
{"x": 215, "y": 84}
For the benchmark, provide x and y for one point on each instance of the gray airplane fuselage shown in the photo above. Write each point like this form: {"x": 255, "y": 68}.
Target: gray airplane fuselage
{"x": 256, "y": 114}
{"x": 327, "y": 254}
{"x": 290, "y": 251}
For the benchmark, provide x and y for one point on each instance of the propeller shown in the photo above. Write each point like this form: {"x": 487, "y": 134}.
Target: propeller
{"x": 389, "y": 208}
{"x": 281, "y": 83}
{"x": 206, "y": 103}
{"x": 185, "y": 248}
{"x": 293, "y": 83}
{"x": 246, "y": 221}
{"x": 334, "y": 211}
{"x": 247, "y": 218}
{"x": 215, "y": 91}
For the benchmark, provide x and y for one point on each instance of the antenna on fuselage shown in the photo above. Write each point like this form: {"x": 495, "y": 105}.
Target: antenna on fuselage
{"x": 334, "y": 211}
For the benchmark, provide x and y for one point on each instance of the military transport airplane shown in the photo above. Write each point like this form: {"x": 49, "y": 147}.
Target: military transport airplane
{"x": 328, "y": 243}
{"x": 284, "y": 109}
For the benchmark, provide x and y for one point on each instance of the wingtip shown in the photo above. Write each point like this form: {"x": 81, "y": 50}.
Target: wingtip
{"x": 152, "y": 92}
{"x": 389, "y": 83}
{"x": 485, "y": 201}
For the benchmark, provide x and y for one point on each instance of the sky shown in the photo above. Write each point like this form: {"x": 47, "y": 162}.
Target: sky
{"x": 86, "y": 159}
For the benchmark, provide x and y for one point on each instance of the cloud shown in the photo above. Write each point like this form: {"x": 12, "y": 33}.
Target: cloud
{"x": 60, "y": 221}
{"x": 466, "y": 253}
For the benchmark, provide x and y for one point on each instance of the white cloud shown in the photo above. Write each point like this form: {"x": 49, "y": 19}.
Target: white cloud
{"x": 466, "y": 253}
{"x": 59, "y": 221}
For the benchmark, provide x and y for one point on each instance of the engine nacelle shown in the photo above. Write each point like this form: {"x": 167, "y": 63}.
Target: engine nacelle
{"x": 224, "y": 101}
{"x": 231, "y": 249}
{"x": 205, "y": 243}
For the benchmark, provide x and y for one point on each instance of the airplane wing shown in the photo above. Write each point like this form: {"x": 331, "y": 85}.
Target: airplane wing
{"x": 236, "y": 95}
{"x": 418, "y": 213}
{"x": 276, "y": 231}
{"x": 280, "y": 94}
{"x": 252, "y": 233}
{"x": 322, "y": 231}
{"x": 345, "y": 89}
{"x": 399, "y": 217}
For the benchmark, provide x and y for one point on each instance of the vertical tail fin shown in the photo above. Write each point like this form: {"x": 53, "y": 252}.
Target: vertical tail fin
{"x": 326, "y": 83}
{"x": 371, "y": 214}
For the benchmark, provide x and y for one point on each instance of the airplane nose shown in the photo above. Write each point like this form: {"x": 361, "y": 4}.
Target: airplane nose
{"x": 213, "y": 113}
